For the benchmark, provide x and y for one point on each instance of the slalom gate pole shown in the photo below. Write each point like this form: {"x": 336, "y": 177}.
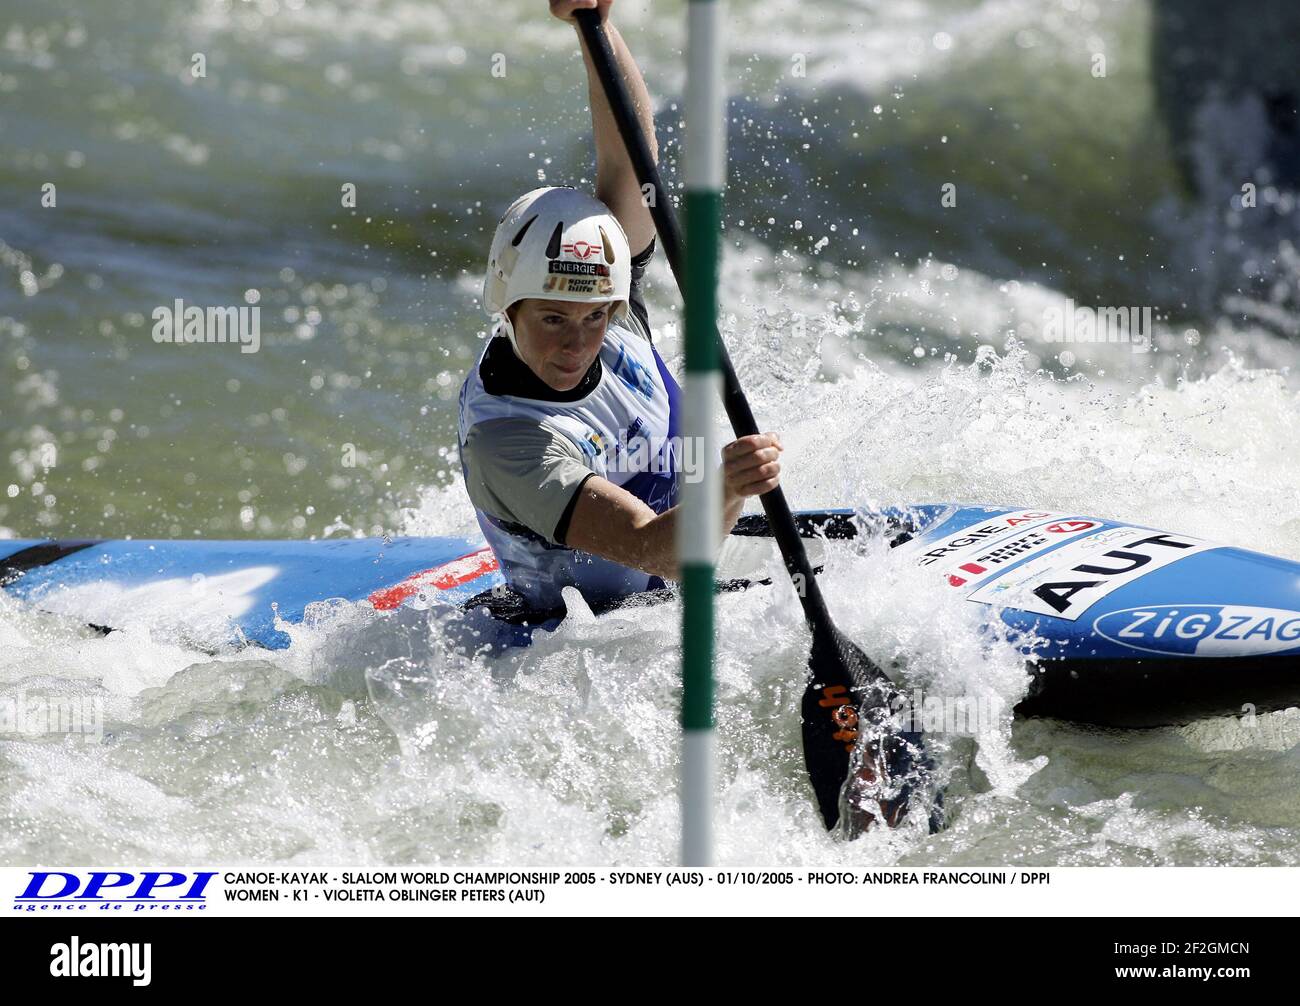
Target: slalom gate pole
{"x": 700, "y": 528}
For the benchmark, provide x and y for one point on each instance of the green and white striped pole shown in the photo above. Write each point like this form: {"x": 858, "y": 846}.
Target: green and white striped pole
{"x": 699, "y": 529}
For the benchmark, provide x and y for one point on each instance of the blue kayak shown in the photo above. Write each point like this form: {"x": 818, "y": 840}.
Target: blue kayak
{"x": 1134, "y": 626}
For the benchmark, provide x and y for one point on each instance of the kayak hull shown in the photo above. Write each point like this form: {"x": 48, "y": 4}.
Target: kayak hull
{"x": 243, "y": 586}
{"x": 1161, "y": 691}
{"x": 1122, "y": 624}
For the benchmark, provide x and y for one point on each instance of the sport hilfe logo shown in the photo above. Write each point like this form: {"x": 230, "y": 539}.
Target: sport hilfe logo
{"x": 53, "y": 889}
{"x": 977, "y": 535}
{"x": 1013, "y": 550}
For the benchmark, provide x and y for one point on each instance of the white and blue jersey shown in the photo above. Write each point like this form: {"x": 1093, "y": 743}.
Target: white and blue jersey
{"x": 526, "y": 450}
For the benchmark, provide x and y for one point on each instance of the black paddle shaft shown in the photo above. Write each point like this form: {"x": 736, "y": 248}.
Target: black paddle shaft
{"x": 779, "y": 516}
{"x": 854, "y": 774}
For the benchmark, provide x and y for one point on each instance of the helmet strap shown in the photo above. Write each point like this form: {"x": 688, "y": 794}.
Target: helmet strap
{"x": 506, "y": 327}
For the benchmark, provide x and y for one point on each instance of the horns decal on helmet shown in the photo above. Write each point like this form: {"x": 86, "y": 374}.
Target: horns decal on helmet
{"x": 523, "y": 230}
{"x": 553, "y": 245}
{"x": 608, "y": 245}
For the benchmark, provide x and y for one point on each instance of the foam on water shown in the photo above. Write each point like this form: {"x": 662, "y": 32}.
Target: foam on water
{"x": 374, "y": 739}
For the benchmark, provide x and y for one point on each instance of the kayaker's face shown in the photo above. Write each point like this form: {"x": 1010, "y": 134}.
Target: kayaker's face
{"x": 559, "y": 340}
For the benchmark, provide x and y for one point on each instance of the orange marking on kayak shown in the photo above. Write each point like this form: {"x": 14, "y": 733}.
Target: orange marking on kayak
{"x": 444, "y": 577}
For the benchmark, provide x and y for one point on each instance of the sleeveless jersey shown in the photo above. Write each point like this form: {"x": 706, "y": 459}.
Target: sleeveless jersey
{"x": 626, "y": 430}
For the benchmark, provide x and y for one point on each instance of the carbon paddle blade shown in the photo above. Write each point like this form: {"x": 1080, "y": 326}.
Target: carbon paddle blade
{"x": 865, "y": 770}
{"x": 891, "y": 776}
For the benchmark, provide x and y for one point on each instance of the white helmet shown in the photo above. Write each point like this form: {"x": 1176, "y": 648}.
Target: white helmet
{"x": 557, "y": 244}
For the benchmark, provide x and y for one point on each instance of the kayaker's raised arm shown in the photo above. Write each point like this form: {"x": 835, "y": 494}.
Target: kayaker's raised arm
{"x": 616, "y": 184}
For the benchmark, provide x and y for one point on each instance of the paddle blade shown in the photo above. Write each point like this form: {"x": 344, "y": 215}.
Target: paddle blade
{"x": 865, "y": 769}
{"x": 891, "y": 775}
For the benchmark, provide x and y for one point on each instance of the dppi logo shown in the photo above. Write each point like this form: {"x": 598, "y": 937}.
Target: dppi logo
{"x": 54, "y": 891}
{"x": 1203, "y": 630}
